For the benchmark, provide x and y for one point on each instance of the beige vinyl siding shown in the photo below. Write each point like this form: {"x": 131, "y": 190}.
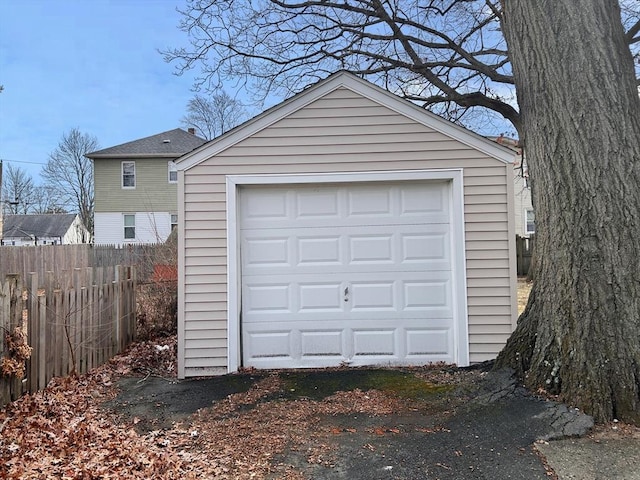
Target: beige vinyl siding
{"x": 153, "y": 192}
{"x": 346, "y": 132}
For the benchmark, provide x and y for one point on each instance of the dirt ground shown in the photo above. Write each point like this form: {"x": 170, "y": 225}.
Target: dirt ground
{"x": 524, "y": 288}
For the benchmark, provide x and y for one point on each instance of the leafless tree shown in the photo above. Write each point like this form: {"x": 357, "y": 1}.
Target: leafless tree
{"x": 45, "y": 200}
{"x": 69, "y": 174}
{"x": 571, "y": 67}
{"x": 212, "y": 116}
{"x": 17, "y": 190}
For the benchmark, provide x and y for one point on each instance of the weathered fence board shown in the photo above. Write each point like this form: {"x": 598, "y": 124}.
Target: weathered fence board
{"x": 58, "y": 258}
{"x": 524, "y": 254}
{"x": 73, "y": 322}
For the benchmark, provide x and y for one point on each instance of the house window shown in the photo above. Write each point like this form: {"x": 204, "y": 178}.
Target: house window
{"x": 128, "y": 174}
{"x": 173, "y": 173}
{"x": 174, "y": 221}
{"x": 529, "y": 222}
{"x": 129, "y": 227}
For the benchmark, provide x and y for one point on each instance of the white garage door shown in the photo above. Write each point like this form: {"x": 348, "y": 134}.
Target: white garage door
{"x": 353, "y": 273}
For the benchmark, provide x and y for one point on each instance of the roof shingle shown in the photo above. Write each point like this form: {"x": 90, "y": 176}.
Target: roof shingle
{"x": 172, "y": 143}
{"x": 45, "y": 225}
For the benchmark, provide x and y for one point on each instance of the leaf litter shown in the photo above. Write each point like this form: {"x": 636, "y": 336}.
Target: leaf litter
{"x": 63, "y": 432}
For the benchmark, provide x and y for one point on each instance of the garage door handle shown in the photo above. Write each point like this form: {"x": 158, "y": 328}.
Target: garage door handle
{"x": 346, "y": 294}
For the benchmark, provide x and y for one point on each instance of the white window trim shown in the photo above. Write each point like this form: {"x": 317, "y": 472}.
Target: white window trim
{"x": 526, "y": 222}
{"x": 124, "y": 238}
{"x": 135, "y": 180}
{"x": 173, "y": 225}
{"x": 234, "y": 182}
{"x": 172, "y": 167}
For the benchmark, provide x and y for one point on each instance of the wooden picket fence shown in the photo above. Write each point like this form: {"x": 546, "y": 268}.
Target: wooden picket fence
{"x": 55, "y": 258}
{"x": 74, "y": 322}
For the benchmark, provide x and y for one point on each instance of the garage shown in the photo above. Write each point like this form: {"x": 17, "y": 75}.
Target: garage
{"x": 353, "y": 274}
{"x": 344, "y": 227}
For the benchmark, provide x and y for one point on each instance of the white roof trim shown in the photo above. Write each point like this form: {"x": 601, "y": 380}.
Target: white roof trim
{"x": 359, "y": 86}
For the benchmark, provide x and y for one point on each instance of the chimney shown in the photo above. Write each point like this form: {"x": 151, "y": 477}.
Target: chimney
{"x": 191, "y": 130}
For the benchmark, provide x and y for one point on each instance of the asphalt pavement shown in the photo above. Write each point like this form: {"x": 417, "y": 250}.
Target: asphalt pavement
{"x": 501, "y": 432}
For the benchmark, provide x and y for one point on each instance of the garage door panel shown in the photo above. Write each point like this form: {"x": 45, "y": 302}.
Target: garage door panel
{"x": 346, "y": 249}
{"x": 420, "y": 295}
{"x": 371, "y": 296}
{"x": 303, "y": 296}
{"x": 419, "y": 199}
{"x": 360, "y": 343}
{"x": 325, "y": 343}
{"x": 356, "y": 273}
{"x": 313, "y": 206}
{"x": 265, "y": 206}
{"x": 269, "y": 344}
{"x": 427, "y": 342}
{"x": 267, "y": 252}
{"x": 272, "y": 298}
{"x": 316, "y": 204}
{"x": 379, "y": 342}
{"x": 370, "y": 249}
{"x": 320, "y": 297}
{"x": 367, "y": 202}
{"x": 321, "y": 318}
{"x": 318, "y": 250}
{"x": 426, "y": 248}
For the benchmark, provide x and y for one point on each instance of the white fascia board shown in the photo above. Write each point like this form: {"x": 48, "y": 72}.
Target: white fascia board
{"x": 361, "y": 87}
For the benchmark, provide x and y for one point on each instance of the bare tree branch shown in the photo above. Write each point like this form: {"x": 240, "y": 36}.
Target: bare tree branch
{"x": 279, "y": 47}
{"x": 70, "y": 174}
{"x": 213, "y": 116}
{"x": 17, "y": 191}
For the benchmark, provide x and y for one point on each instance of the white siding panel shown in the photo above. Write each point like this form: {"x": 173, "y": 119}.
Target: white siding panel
{"x": 329, "y": 137}
{"x": 151, "y": 227}
{"x": 108, "y": 228}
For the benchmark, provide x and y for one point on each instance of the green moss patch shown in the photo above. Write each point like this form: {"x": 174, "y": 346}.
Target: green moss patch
{"x": 320, "y": 384}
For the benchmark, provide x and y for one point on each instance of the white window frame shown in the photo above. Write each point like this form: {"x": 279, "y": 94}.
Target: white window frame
{"x": 125, "y": 226}
{"x": 127, "y": 187}
{"x": 172, "y": 168}
{"x": 173, "y": 224}
{"x": 526, "y": 221}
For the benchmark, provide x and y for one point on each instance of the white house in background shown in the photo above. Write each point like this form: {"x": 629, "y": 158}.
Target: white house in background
{"x": 136, "y": 187}
{"x": 525, "y": 217}
{"x": 344, "y": 226}
{"x": 45, "y": 229}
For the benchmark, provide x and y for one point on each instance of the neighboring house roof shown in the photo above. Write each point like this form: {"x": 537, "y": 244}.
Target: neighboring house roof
{"x": 170, "y": 144}
{"x": 350, "y": 81}
{"x": 45, "y": 225}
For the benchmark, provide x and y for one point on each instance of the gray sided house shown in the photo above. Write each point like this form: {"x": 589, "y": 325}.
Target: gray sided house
{"x": 345, "y": 226}
{"x": 44, "y": 229}
{"x": 136, "y": 187}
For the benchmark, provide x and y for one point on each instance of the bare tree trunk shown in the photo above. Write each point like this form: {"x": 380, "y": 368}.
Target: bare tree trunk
{"x": 580, "y": 333}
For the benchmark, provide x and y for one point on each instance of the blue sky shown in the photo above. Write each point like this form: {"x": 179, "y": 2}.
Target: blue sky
{"x": 90, "y": 64}
{"x": 93, "y": 65}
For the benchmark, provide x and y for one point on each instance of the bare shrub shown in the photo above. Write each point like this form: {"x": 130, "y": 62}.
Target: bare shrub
{"x": 157, "y": 295}
{"x": 157, "y": 309}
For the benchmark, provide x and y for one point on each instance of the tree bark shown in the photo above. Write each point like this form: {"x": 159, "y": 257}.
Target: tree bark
{"x": 579, "y": 335}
